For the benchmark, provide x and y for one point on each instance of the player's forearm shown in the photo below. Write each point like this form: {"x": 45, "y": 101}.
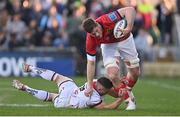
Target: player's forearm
{"x": 90, "y": 71}
{"x": 114, "y": 105}
{"x": 129, "y": 13}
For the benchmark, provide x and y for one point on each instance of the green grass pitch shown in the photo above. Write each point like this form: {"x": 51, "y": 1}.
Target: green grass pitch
{"x": 154, "y": 96}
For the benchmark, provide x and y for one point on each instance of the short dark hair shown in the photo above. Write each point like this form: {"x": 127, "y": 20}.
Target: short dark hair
{"x": 105, "y": 82}
{"x": 89, "y": 24}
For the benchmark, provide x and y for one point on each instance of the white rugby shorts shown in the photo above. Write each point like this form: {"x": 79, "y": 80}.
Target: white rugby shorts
{"x": 66, "y": 89}
{"x": 125, "y": 49}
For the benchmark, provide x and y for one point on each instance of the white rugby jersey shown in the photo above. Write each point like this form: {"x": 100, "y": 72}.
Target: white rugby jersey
{"x": 79, "y": 100}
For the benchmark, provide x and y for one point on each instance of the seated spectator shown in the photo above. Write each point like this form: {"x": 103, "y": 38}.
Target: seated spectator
{"x": 3, "y": 39}
{"x": 145, "y": 8}
{"x": 13, "y": 43}
{"x": 28, "y": 39}
{"x": 46, "y": 39}
{"x": 16, "y": 26}
{"x": 47, "y": 21}
{"x": 61, "y": 41}
{"x": 143, "y": 42}
{"x": 3, "y": 18}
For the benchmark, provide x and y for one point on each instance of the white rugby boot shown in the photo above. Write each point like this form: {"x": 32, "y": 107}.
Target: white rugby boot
{"x": 131, "y": 104}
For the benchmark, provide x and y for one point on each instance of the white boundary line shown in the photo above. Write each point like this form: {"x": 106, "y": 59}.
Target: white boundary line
{"x": 23, "y": 105}
{"x": 163, "y": 85}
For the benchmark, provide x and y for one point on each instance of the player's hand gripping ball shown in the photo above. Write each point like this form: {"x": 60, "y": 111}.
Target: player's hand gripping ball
{"x": 117, "y": 28}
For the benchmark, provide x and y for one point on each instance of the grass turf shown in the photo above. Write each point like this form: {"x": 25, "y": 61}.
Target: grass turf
{"x": 154, "y": 96}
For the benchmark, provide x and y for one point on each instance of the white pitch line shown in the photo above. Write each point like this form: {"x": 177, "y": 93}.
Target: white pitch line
{"x": 23, "y": 105}
{"x": 163, "y": 85}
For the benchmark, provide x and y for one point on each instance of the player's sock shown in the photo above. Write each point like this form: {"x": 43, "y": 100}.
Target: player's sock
{"x": 40, "y": 94}
{"x": 44, "y": 73}
{"x": 122, "y": 86}
{"x": 129, "y": 82}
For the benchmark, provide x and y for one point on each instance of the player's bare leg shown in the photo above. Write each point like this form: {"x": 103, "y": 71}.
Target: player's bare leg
{"x": 113, "y": 72}
{"x": 46, "y": 74}
{"x": 39, "y": 94}
{"x": 131, "y": 79}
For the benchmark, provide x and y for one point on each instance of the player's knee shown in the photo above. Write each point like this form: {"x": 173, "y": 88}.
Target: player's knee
{"x": 112, "y": 77}
{"x": 112, "y": 72}
{"x": 56, "y": 78}
{"x": 111, "y": 63}
{"x": 52, "y": 96}
{"x": 134, "y": 63}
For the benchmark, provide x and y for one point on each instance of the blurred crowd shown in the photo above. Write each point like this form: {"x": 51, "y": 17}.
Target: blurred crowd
{"x": 57, "y": 23}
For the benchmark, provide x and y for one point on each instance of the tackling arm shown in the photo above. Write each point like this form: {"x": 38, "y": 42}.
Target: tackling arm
{"x": 113, "y": 105}
{"x": 90, "y": 76}
{"x": 90, "y": 71}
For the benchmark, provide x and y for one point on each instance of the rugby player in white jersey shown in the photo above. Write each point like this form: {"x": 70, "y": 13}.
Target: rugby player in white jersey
{"x": 69, "y": 95}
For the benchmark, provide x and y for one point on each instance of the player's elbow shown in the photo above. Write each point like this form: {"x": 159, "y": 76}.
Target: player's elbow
{"x": 131, "y": 10}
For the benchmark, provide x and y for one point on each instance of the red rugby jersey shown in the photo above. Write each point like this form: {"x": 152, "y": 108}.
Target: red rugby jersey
{"x": 107, "y": 21}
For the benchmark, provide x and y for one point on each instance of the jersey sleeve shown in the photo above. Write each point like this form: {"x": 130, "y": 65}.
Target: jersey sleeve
{"x": 94, "y": 100}
{"x": 111, "y": 17}
{"x": 91, "y": 48}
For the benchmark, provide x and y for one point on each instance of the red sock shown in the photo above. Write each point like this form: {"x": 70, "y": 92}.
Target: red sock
{"x": 122, "y": 85}
{"x": 129, "y": 82}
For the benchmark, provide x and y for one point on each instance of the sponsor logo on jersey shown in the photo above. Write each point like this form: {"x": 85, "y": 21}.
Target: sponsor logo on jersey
{"x": 112, "y": 16}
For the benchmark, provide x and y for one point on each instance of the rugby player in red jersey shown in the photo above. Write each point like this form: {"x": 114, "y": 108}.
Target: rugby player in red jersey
{"x": 100, "y": 33}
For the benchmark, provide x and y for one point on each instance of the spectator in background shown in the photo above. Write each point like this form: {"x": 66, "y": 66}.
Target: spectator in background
{"x": 3, "y": 18}
{"x": 77, "y": 36}
{"x": 15, "y": 26}
{"x": 145, "y": 8}
{"x": 26, "y": 11}
{"x": 97, "y": 8}
{"x": 114, "y": 5}
{"x": 13, "y": 43}
{"x": 147, "y": 15}
{"x": 37, "y": 35}
{"x": 165, "y": 21}
{"x": 37, "y": 12}
{"x": 6, "y": 5}
{"x": 60, "y": 5}
{"x": 178, "y": 6}
{"x": 31, "y": 10}
{"x": 46, "y": 39}
{"x": 17, "y": 7}
{"x": 61, "y": 41}
{"x": 138, "y": 22}
{"x": 54, "y": 22}
{"x": 154, "y": 30}
{"x": 46, "y": 4}
{"x": 143, "y": 42}
{"x": 74, "y": 30}
{"x": 3, "y": 39}
{"x": 28, "y": 39}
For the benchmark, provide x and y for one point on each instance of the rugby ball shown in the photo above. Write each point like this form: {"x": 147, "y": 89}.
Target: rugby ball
{"x": 119, "y": 25}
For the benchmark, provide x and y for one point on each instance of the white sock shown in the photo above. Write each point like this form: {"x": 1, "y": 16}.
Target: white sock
{"x": 40, "y": 94}
{"x": 44, "y": 73}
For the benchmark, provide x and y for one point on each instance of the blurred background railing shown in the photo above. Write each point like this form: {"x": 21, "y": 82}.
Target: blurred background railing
{"x": 52, "y": 28}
